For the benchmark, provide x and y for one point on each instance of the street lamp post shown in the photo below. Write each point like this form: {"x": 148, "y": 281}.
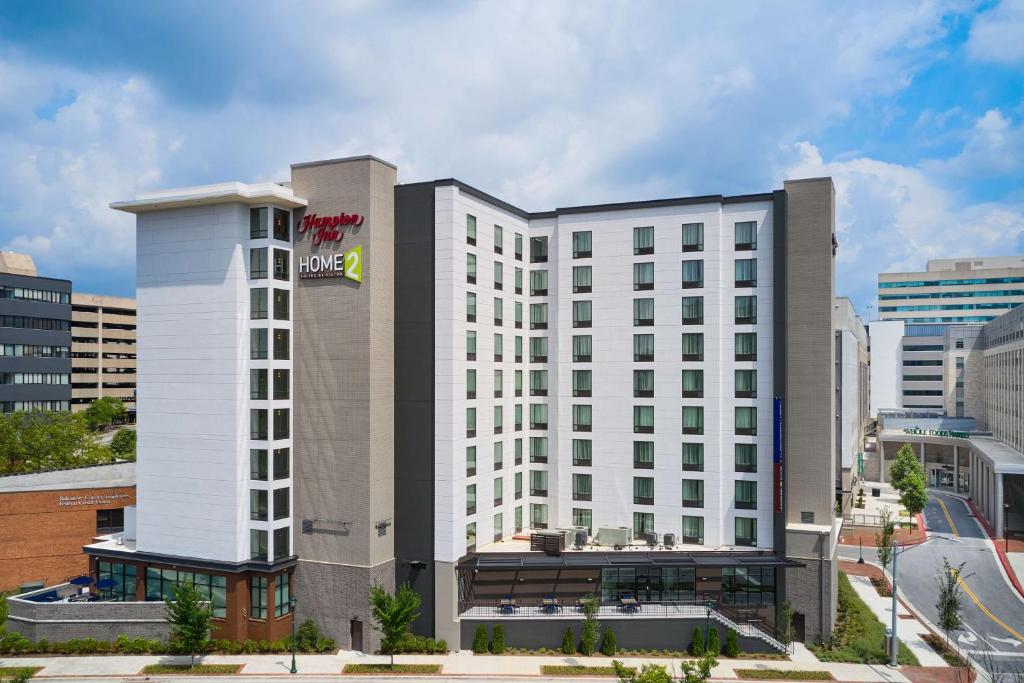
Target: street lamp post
{"x": 894, "y": 643}
{"x": 710, "y": 606}
{"x": 291, "y": 604}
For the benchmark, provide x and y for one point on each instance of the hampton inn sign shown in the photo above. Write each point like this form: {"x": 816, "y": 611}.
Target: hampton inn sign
{"x": 327, "y": 230}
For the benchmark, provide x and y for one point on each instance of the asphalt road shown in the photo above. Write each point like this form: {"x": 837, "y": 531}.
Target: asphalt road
{"x": 993, "y": 611}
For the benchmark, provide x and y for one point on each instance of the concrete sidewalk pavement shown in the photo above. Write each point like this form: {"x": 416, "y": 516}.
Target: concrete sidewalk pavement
{"x": 909, "y": 629}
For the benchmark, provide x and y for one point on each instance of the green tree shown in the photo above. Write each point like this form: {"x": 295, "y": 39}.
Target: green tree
{"x": 648, "y": 673}
{"x": 568, "y": 642}
{"x": 884, "y": 538}
{"x": 479, "y": 640}
{"x": 714, "y": 647}
{"x": 608, "y": 645}
{"x": 392, "y": 615}
{"x": 39, "y": 441}
{"x": 104, "y": 411}
{"x": 191, "y": 620}
{"x": 498, "y": 640}
{"x": 123, "y": 443}
{"x": 699, "y": 671}
{"x": 914, "y": 494}
{"x": 591, "y": 630}
{"x": 732, "y": 644}
{"x": 948, "y": 603}
{"x": 784, "y": 630}
{"x": 697, "y": 643}
{"x": 3, "y": 612}
{"x": 905, "y": 461}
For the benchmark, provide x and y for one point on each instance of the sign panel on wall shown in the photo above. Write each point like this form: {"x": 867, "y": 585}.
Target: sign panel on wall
{"x": 348, "y": 265}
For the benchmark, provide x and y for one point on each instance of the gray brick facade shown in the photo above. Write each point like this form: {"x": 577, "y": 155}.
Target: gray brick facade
{"x": 337, "y": 597}
{"x": 60, "y": 622}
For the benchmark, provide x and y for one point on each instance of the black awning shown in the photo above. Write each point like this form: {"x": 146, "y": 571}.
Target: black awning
{"x": 595, "y": 560}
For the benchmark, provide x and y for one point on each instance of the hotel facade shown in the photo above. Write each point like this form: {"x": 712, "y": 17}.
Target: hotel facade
{"x": 346, "y": 381}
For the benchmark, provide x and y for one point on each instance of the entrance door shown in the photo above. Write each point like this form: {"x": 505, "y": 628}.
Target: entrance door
{"x": 356, "y": 635}
{"x": 799, "y": 627}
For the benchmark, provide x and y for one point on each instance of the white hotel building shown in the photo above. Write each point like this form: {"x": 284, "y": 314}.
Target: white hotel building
{"x": 657, "y": 374}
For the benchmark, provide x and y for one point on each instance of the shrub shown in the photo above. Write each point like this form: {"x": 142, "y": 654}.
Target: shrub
{"x": 591, "y": 629}
{"x": 608, "y": 644}
{"x": 12, "y": 642}
{"x": 732, "y": 644}
{"x": 697, "y": 643}
{"x": 714, "y": 647}
{"x": 480, "y": 640}
{"x": 498, "y": 640}
{"x": 568, "y": 642}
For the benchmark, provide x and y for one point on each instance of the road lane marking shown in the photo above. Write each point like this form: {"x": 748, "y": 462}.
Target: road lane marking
{"x": 986, "y": 611}
{"x": 949, "y": 519}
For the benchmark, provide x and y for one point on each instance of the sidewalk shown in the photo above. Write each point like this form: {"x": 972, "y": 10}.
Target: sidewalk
{"x": 1013, "y": 561}
{"x": 908, "y": 628}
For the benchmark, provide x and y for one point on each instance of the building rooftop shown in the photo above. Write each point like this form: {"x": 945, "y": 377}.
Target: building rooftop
{"x": 259, "y": 193}
{"x": 17, "y": 264}
{"x": 96, "y": 477}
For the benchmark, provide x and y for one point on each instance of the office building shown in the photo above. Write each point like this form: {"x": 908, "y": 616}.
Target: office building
{"x": 852, "y": 393}
{"x": 964, "y": 290}
{"x": 383, "y": 383}
{"x": 102, "y": 349}
{"x": 35, "y": 337}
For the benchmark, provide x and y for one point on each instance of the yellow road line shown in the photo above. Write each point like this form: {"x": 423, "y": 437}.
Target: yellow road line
{"x": 949, "y": 519}
{"x": 985, "y": 610}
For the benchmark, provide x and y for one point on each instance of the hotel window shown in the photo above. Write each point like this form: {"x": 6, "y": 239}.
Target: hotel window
{"x": 693, "y": 310}
{"x": 581, "y": 383}
{"x": 282, "y": 347}
{"x": 746, "y": 310}
{"x": 746, "y": 346}
{"x": 280, "y": 304}
{"x": 109, "y": 521}
{"x": 471, "y": 268}
{"x": 693, "y": 529}
{"x": 748, "y": 585}
{"x": 643, "y": 347}
{"x": 746, "y": 531}
{"x": 959, "y": 343}
{"x": 643, "y": 455}
{"x": 281, "y": 463}
{"x": 693, "y": 383}
{"x": 470, "y": 229}
{"x": 643, "y": 276}
{"x": 538, "y": 349}
{"x": 693, "y": 346}
{"x": 519, "y": 247}
{"x": 538, "y": 382}
{"x": 538, "y": 449}
{"x": 643, "y": 312}
{"x": 538, "y": 282}
{"x": 281, "y": 385}
{"x": 519, "y": 382}
{"x": 582, "y": 348}
{"x": 518, "y": 411}
{"x": 499, "y": 275}
{"x": 693, "y": 274}
{"x": 258, "y": 545}
{"x": 746, "y": 384}
{"x": 499, "y": 312}
{"x": 583, "y": 518}
{"x": 538, "y": 416}
{"x": 258, "y": 424}
{"x": 470, "y": 422}
{"x": 518, "y": 349}
{"x": 258, "y": 466}
{"x": 538, "y": 316}
{"x": 519, "y": 518}
{"x": 258, "y": 506}
{"x": 538, "y": 483}
{"x": 643, "y": 490}
{"x": 498, "y": 535}
{"x": 538, "y": 516}
{"x": 518, "y": 443}
{"x": 582, "y": 279}
{"x": 123, "y": 576}
{"x": 693, "y": 457}
{"x": 582, "y": 452}
{"x": 258, "y": 263}
{"x": 470, "y": 307}
{"x": 258, "y": 223}
{"x": 499, "y": 347}
{"x": 693, "y": 237}
{"x": 582, "y": 314}
{"x": 281, "y": 506}
{"x": 471, "y": 345}
{"x": 746, "y": 236}
{"x": 746, "y": 457}
{"x": 282, "y": 593}
{"x": 643, "y": 524}
{"x": 746, "y": 495}
{"x": 693, "y": 420}
{"x": 257, "y": 597}
{"x": 643, "y": 419}
{"x": 471, "y": 537}
{"x": 582, "y": 487}
{"x": 582, "y": 244}
{"x": 281, "y": 423}
{"x": 160, "y": 584}
{"x": 498, "y": 451}
{"x": 498, "y": 419}
{"x": 517, "y": 484}
{"x": 471, "y": 499}
{"x": 643, "y": 240}
{"x": 746, "y": 272}
{"x": 282, "y": 230}
{"x": 582, "y": 418}
{"x": 281, "y": 270}
{"x": 518, "y": 308}
{"x": 470, "y": 383}
{"x": 258, "y": 343}
{"x": 258, "y": 303}
{"x": 538, "y": 250}
{"x": 643, "y": 383}
{"x": 470, "y": 461}
{"x": 519, "y": 280}
{"x": 258, "y": 385}
{"x": 499, "y": 384}
{"x": 499, "y": 239}
{"x": 693, "y": 493}
{"x": 746, "y": 420}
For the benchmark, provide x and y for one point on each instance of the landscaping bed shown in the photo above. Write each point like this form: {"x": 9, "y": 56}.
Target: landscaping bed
{"x": 882, "y": 587}
{"x": 938, "y": 644}
{"x": 577, "y": 670}
{"x": 18, "y": 673}
{"x": 781, "y": 675}
{"x": 373, "y": 669}
{"x": 198, "y": 669}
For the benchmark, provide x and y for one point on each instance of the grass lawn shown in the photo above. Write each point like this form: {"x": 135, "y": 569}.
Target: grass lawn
{"x": 577, "y": 670}
{"x": 193, "y": 670}
{"x": 780, "y": 675}
{"x": 859, "y": 637}
{"x": 16, "y": 672}
{"x": 389, "y": 669}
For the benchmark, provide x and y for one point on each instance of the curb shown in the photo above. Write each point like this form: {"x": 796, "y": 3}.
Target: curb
{"x": 1000, "y": 552}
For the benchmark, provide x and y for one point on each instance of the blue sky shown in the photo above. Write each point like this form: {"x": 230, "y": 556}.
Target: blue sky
{"x": 915, "y": 109}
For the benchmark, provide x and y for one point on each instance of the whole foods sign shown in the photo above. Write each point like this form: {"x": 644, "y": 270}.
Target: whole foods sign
{"x": 348, "y": 265}
{"x": 326, "y": 228}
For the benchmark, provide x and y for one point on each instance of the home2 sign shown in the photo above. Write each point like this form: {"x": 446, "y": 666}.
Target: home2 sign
{"x": 348, "y": 265}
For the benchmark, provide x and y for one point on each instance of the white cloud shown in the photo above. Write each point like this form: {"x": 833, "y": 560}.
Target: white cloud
{"x": 996, "y": 34}
{"x": 994, "y": 146}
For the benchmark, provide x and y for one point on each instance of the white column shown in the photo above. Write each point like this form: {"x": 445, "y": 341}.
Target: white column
{"x": 881, "y": 459}
{"x": 956, "y": 469}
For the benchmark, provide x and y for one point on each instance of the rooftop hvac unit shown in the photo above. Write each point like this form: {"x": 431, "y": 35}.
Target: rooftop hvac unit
{"x": 581, "y": 538}
{"x": 569, "y": 533}
{"x": 550, "y": 542}
{"x": 614, "y": 535}
{"x": 670, "y": 540}
{"x": 651, "y": 538}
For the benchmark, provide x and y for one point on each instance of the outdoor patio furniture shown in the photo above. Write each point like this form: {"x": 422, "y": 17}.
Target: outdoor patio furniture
{"x": 506, "y": 605}
{"x": 550, "y": 605}
{"x": 629, "y": 604}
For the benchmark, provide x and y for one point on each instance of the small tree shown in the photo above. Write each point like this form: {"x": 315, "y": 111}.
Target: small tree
{"x": 191, "y": 620}
{"x": 568, "y": 642}
{"x": 498, "y": 640}
{"x": 697, "y": 643}
{"x": 648, "y": 673}
{"x": 393, "y": 614}
{"x": 591, "y": 630}
{"x": 883, "y": 539}
{"x": 948, "y": 604}
{"x": 608, "y": 645}
{"x": 714, "y": 647}
{"x": 784, "y": 630}
{"x": 480, "y": 640}
{"x": 104, "y": 411}
{"x": 123, "y": 443}
{"x": 914, "y": 495}
{"x": 699, "y": 671}
{"x": 905, "y": 461}
{"x": 732, "y": 644}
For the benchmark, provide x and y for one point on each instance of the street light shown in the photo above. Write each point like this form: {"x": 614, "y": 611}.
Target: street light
{"x": 894, "y": 643}
{"x": 291, "y": 605}
{"x": 710, "y": 607}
